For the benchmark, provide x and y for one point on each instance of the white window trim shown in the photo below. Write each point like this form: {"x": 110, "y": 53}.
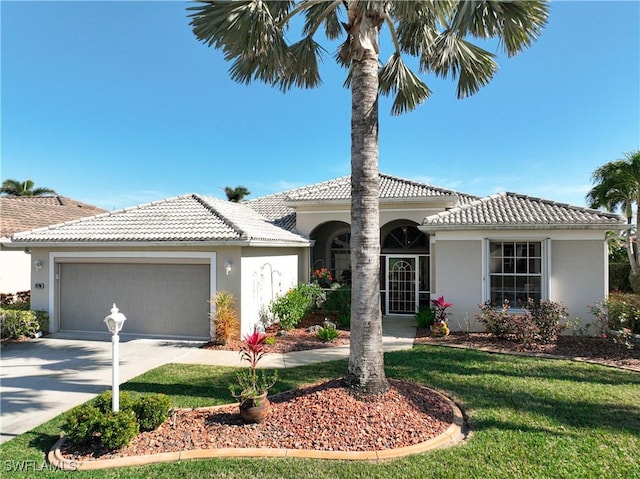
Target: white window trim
{"x": 545, "y": 278}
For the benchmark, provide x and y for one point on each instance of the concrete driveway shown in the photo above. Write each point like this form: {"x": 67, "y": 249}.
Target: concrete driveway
{"x": 42, "y": 378}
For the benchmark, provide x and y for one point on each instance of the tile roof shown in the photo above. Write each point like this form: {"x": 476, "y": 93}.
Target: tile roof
{"x": 22, "y": 213}
{"x": 391, "y": 187}
{"x": 183, "y": 218}
{"x": 276, "y": 207}
{"x": 519, "y": 211}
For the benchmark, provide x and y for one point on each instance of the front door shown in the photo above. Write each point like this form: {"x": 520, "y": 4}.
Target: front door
{"x": 402, "y": 284}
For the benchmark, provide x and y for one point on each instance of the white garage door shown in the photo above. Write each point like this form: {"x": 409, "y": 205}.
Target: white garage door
{"x": 157, "y": 299}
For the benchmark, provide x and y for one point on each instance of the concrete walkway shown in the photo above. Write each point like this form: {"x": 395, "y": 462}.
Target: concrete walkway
{"x": 42, "y": 378}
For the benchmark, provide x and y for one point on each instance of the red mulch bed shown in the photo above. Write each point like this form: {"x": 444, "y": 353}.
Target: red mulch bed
{"x": 324, "y": 416}
{"x": 298, "y": 339}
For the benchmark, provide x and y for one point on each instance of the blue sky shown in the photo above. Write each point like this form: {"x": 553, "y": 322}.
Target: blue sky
{"x": 116, "y": 103}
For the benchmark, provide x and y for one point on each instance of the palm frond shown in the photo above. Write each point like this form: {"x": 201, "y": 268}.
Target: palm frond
{"x": 302, "y": 70}
{"x": 248, "y": 33}
{"x": 453, "y": 55}
{"x": 409, "y": 90}
{"x": 516, "y": 23}
{"x": 323, "y": 13}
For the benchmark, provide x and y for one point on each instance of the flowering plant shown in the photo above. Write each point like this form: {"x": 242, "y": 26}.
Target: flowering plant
{"x": 252, "y": 384}
{"x": 440, "y": 327}
{"x": 322, "y": 274}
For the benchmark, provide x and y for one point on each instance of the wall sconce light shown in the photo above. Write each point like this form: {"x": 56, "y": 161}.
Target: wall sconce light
{"x": 227, "y": 267}
{"x": 37, "y": 264}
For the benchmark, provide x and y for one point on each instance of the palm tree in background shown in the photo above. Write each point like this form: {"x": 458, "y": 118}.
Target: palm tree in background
{"x": 251, "y": 34}
{"x": 617, "y": 186}
{"x": 25, "y": 188}
{"x": 236, "y": 194}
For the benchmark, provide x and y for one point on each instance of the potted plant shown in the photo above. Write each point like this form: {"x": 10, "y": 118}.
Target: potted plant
{"x": 253, "y": 385}
{"x": 439, "y": 327}
{"x": 323, "y": 277}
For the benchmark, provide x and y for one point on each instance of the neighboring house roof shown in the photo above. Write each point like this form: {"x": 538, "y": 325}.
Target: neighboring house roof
{"x": 514, "y": 210}
{"x": 278, "y": 207}
{"x": 22, "y": 213}
{"x": 187, "y": 218}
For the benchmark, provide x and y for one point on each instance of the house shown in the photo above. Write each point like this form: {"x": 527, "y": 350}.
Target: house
{"x": 161, "y": 262}
{"x": 22, "y": 213}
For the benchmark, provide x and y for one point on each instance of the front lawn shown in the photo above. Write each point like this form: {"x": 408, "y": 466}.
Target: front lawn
{"x": 531, "y": 418}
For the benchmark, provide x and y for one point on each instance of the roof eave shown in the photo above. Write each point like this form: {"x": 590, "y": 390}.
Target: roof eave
{"x": 537, "y": 226}
{"x": 122, "y": 244}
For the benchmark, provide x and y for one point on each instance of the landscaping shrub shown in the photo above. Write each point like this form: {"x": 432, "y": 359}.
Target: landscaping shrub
{"x": 104, "y": 401}
{"x": 339, "y": 300}
{"x": 618, "y": 317}
{"x": 425, "y": 316}
{"x": 81, "y": 423}
{"x": 619, "y": 277}
{"x": 17, "y": 323}
{"x": 151, "y": 411}
{"x": 225, "y": 319}
{"x": 327, "y": 334}
{"x": 117, "y": 429}
{"x": 496, "y": 322}
{"x": 547, "y": 318}
{"x": 295, "y": 304}
{"x": 538, "y": 323}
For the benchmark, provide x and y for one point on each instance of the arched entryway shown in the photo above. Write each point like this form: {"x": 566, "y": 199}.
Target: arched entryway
{"x": 404, "y": 268}
{"x": 332, "y": 250}
{"x": 404, "y": 262}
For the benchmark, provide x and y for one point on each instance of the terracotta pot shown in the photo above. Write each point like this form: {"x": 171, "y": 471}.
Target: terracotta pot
{"x": 255, "y": 410}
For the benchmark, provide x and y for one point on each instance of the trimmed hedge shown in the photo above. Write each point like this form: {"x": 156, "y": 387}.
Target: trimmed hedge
{"x": 96, "y": 421}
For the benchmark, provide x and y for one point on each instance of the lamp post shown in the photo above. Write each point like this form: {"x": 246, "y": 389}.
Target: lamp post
{"x": 114, "y": 323}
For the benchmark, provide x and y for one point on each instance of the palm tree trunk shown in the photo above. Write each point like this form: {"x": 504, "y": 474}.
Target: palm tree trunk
{"x": 366, "y": 363}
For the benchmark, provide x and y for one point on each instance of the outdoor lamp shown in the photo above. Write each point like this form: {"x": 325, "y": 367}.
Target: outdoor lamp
{"x": 114, "y": 323}
{"x": 227, "y": 267}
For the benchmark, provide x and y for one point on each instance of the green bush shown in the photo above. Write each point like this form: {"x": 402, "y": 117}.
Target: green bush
{"x": 619, "y": 277}
{"x": 82, "y": 422}
{"x": 425, "y": 316}
{"x": 338, "y": 299}
{"x": 618, "y": 312}
{"x": 17, "y": 323}
{"x": 327, "y": 334}
{"x": 104, "y": 401}
{"x": 344, "y": 319}
{"x": 152, "y": 411}
{"x": 117, "y": 429}
{"x": 496, "y": 322}
{"x": 295, "y": 304}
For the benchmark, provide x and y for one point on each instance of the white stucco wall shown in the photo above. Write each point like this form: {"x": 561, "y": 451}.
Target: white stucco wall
{"x": 458, "y": 269}
{"x": 263, "y": 279}
{"x": 576, "y": 263}
{"x": 577, "y": 275}
{"x": 15, "y": 271}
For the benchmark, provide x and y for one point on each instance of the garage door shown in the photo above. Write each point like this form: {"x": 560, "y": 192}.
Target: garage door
{"x": 157, "y": 299}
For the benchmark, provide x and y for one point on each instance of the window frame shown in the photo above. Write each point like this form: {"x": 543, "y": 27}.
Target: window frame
{"x": 545, "y": 265}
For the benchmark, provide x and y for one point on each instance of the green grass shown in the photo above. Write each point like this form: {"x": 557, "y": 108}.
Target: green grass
{"x": 531, "y": 418}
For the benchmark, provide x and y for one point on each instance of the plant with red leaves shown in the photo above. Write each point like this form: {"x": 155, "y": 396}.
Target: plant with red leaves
{"x": 253, "y": 384}
{"x": 441, "y": 305}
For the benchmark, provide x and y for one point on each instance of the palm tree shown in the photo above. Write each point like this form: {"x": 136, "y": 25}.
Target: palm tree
{"x": 25, "y": 188}
{"x": 251, "y": 34}
{"x": 236, "y": 194}
{"x": 617, "y": 186}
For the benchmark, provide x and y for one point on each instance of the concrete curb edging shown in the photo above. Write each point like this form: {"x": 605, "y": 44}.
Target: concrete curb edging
{"x": 454, "y": 435}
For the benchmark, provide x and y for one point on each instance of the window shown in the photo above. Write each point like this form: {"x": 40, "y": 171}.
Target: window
{"x": 341, "y": 258}
{"x": 515, "y": 271}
